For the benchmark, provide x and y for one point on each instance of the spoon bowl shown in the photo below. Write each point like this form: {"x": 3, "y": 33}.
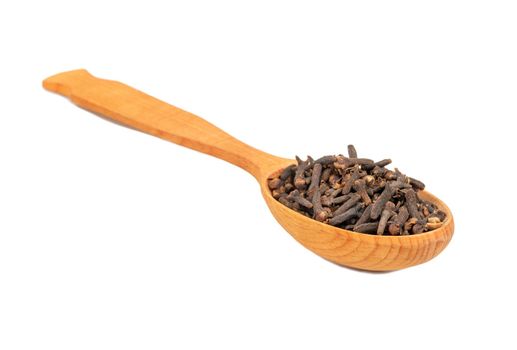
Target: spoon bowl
{"x": 359, "y": 250}
{"x": 133, "y": 108}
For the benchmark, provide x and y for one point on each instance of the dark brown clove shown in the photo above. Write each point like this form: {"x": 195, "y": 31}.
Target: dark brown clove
{"x": 398, "y": 221}
{"x": 287, "y": 172}
{"x": 383, "y": 163}
{"x": 297, "y": 197}
{"x": 285, "y": 201}
{"x": 354, "y": 198}
{"x": 341, "y": 199}
{"x": 274, "y": 183}
{"x": 360, "y": 161}
{"x": 402, "y": 216}
{"x": 299, "y": 178}
{"x": 347, "y": 215}
{"x": 411, "y": 203}
{"x": 360, "y": 188}
{"x": 343, "y": 162}
{"x": 399, "y": 184}
{"x": 354, "y": 175}
{"x": 319, "y": 213}
{"x": 418, "y": 185}
{"x": 378, "y": 205}
{"x": 365, "y": 216}
{"x": 315, "y": 180}
{"x": 288, "y": 187}
{"x": 352, "y": 153}
{"x": 387, "y": 213}
{"x": 277, "y": 192}
{"x": 369, "y": 227}
{"x": 326, "y": 160}
{"x": 335, "y": 193}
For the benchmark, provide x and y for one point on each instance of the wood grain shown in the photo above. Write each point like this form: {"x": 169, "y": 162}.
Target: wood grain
{"x": 140, "y": 111}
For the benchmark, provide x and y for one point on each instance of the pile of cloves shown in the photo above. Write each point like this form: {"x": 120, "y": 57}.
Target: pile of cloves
{"x": 356, "y": 194}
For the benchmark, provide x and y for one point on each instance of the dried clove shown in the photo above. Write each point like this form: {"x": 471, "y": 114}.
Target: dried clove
{"x": 369, "y": 227}
{"x": 383, "y": 163}
{"x": 285, "y": 201}
{"x": 353, "y": 199}
{"x": 274, "y": 183}
{"x": 418, "y": 185}
{"x": 315, "y": 179}
{"x": 387, "y": 213}
{"x": 360, "y": 187}
{"x": 360, "y": 161}
{"x": 325, "y": 160}
{"x": 319, "y": 213}
{"x": 341, "y": 199}
{"x": 378, "y": 205}
{"x": 287, "y": 172}
{"x": 335, "y": 193}
{"x": 399, "y": 220}
{"x": 277, "y": 192}
{"x": 350, "y": 213}
{"x": 350, "y": 181}
{"x": 352, "y": 153}
{"x": 364, "y": 218}
{"x": 411, "y": 201}
{"x": 297, "y": 197}
{"x": 299, "y": 179}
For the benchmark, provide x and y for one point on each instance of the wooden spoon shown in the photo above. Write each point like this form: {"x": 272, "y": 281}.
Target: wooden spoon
{"x": 133, "y": 108}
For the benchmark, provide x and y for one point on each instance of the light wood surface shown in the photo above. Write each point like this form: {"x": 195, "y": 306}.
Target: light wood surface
{"x": 140, "y": 111}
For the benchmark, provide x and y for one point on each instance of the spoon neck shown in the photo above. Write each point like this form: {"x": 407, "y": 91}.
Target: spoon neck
{"x": 256, "y": 162}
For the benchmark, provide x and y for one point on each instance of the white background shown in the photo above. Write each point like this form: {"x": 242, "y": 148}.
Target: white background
{"x": 113, "y": 239}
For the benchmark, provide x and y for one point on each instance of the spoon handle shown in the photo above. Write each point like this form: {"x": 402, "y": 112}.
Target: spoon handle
{"x": 133, "y": 108}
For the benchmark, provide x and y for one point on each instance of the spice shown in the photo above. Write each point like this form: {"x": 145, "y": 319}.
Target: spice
{"x": 357, "y": 194}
